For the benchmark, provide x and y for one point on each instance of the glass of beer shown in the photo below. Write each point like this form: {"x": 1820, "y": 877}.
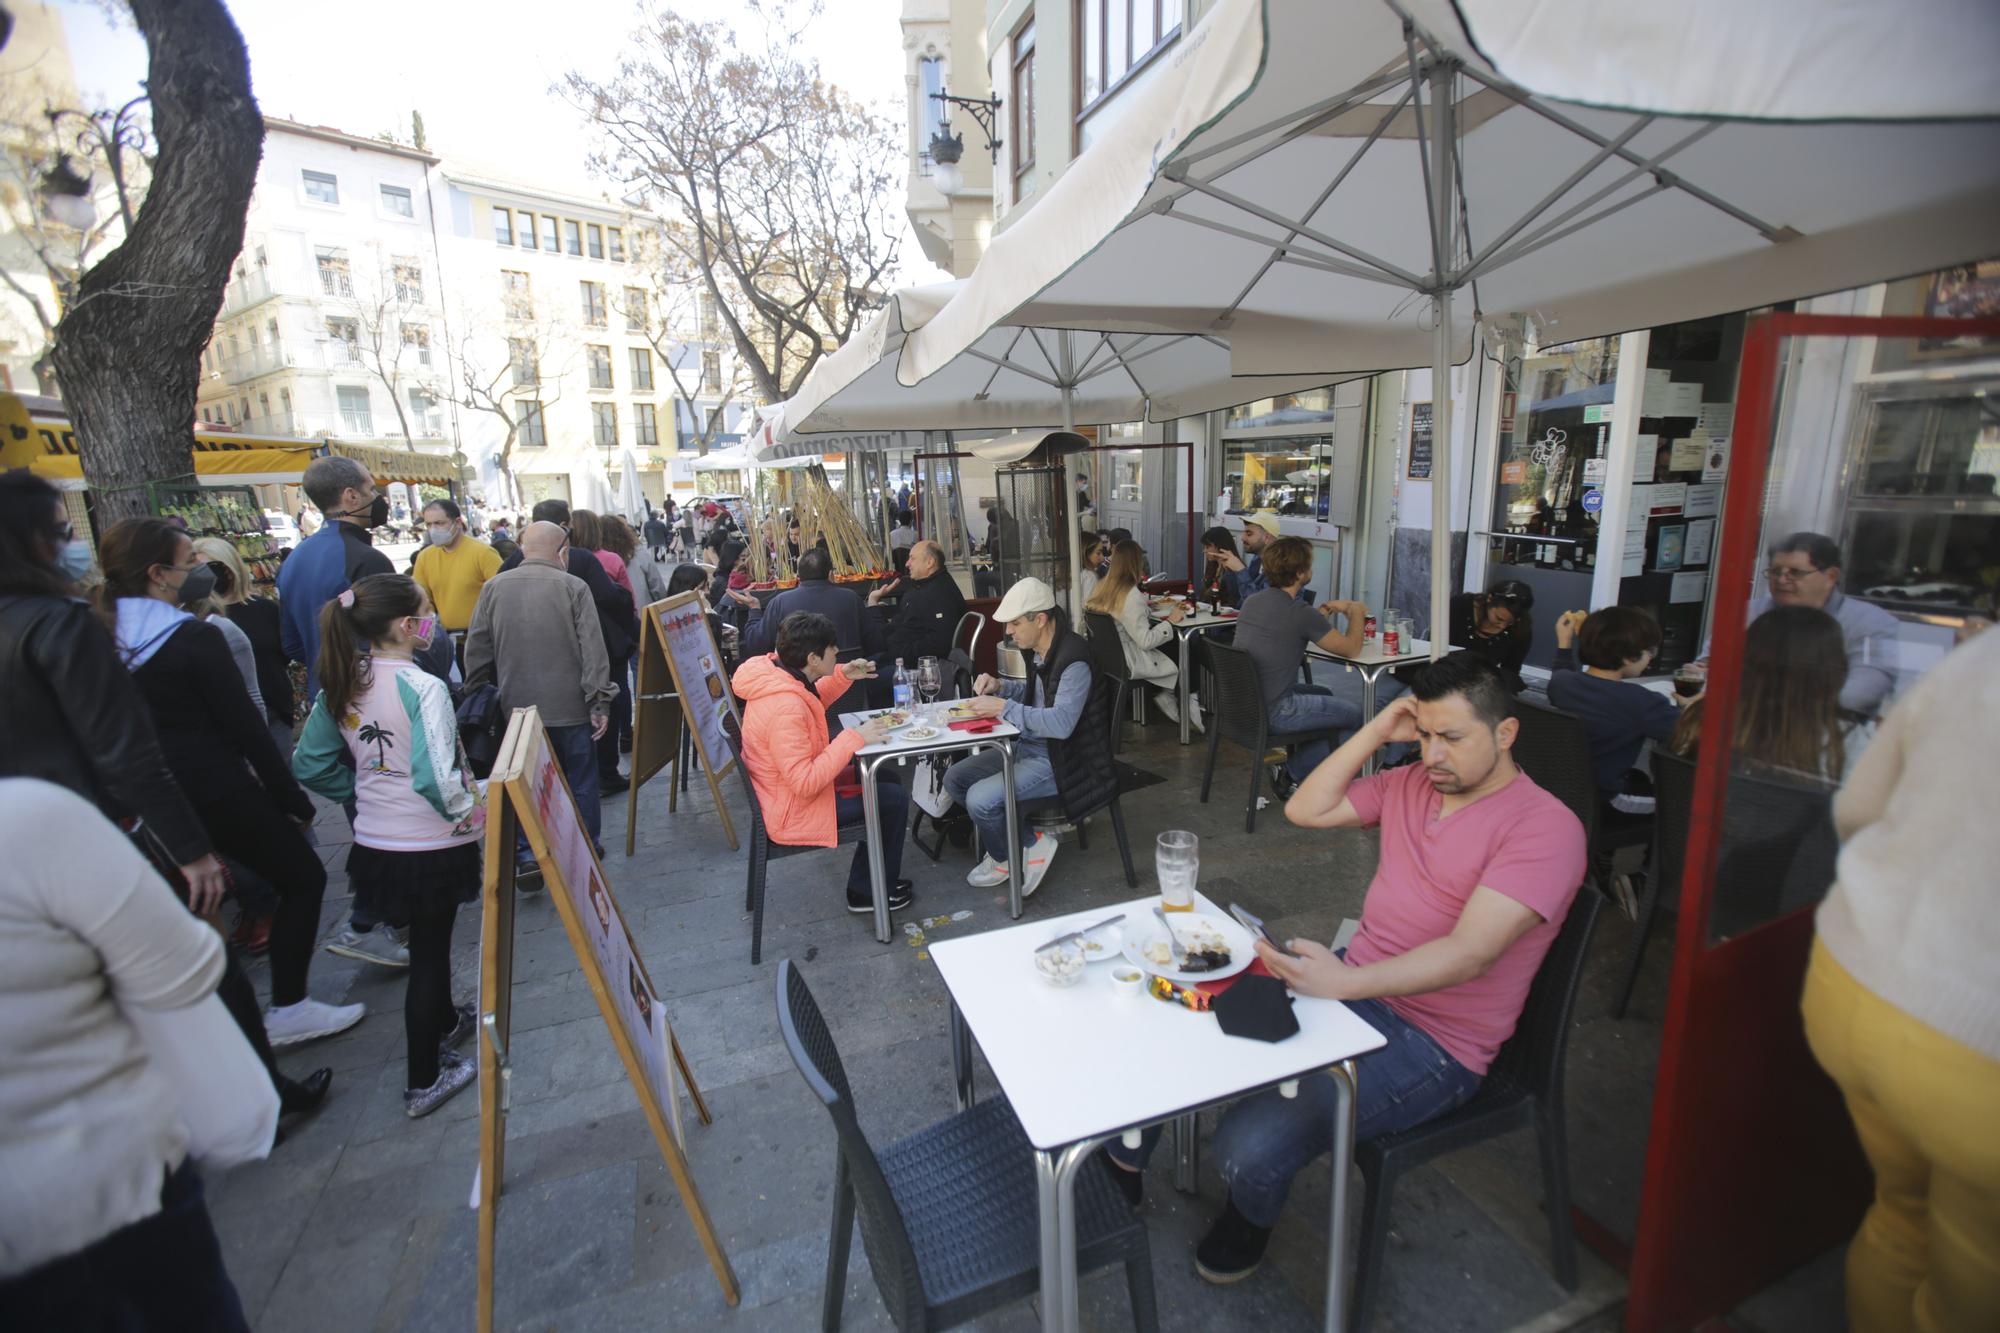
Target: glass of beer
{"x": 1177, "y": 857}
{"x": 1690, "y": 680}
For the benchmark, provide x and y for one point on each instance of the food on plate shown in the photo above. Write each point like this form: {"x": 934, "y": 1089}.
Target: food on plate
{"x": 1207, "y": 949}
{"x": 895, "y": 717}
{"x": 920, "y": 733}
{"x": 961, "y": 710}
{"x": 1158, "y": 954}
{"x": 1092, "y": 947}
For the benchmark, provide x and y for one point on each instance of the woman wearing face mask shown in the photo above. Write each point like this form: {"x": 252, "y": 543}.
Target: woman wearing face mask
{"x": 417, "y": 816}
{"x": 220, "y": 751}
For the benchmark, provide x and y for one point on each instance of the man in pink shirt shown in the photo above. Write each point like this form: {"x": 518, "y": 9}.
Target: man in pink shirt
{"x": 1478, "y": 867}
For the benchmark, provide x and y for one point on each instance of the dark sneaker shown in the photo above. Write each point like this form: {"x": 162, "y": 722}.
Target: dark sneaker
{"x": 899, "y": 897}
{"x": 300, "y": 1095}
{"x": 1282, "y": 782}
{"x": 1232, "y": 1249}
{"x": 615, "y": 785}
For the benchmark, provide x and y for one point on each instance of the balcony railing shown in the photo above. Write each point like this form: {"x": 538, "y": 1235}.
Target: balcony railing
{"x": 249, "y": 288}
{"x": 264, "y": 359}
{"x": 335, "y": 282}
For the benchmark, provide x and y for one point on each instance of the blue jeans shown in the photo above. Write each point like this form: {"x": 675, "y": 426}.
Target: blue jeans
{"x": 577, "y": 754}
{"x": 1307, "y": 708}
{"x": 1265, "y": 1139}
{"x": 892, "y": 801}
{"x": 979, "y": 785}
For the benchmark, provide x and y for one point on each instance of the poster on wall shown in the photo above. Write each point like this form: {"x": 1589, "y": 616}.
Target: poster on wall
{"x": 1419, "y": 455}
{"x": 1700, "y": 542}
{"x": 1716, "y": 466}
{"x": 1688, "y": 587}
{"x": 1635, "y": 550}
{"x": 1673, "y": 544}
{"x": 1703, "y": 501}
{"x": 1689, "y": 454}
{"x": 1645, "y": 453}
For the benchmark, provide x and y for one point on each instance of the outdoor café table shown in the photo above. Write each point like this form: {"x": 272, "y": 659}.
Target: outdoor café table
{"x": 1194, "y": 622}
{"x": 870, "y": 757}
{"x": 1084, "y": 1064}
{"x": 1371, "y": 662}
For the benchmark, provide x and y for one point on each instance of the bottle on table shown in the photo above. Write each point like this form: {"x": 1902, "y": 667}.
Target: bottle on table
{"x": 903, "y": 689}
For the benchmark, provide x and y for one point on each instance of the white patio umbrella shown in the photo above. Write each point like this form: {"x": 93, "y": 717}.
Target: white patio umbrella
{"x": 631, "y": 498}
{"x": 1348, "y": 185}
{"x": 590, "y": 488}
{"x": 1026, "y": 372}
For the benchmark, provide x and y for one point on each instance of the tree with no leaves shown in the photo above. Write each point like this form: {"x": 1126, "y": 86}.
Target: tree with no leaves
{"x": 785, "y": 188}
{"x": 128, "y": 348}
{"x": 680, "y": 323}
{"x": 508, "y": 359}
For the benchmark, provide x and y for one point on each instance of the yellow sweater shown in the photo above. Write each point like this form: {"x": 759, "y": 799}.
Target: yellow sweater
{"x": 453, "y": 577}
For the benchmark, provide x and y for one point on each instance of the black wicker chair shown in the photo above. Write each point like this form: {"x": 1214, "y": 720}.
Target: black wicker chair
{"x": 948, "y": 1215}
{"x": 1237, "y": 698}
{"x": 762, "y": 850}
{"x": 1523, "y": 1087}
{"x": 1107, "y": 656}
{"x": 1053, "y": 812}
{"x": 1553, "y": 748}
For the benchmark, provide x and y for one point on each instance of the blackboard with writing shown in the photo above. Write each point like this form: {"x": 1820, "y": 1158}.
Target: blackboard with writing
{"x": 1419, "y": 468}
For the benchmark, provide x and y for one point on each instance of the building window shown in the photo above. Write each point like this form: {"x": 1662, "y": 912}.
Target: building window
{"x": 335, "y": 278}
{"x": 527, "y": 231}
{"x": 285, "y": 409}
{"x": 533, "y": 431}
{"x": 521, "y": 356}
{"x": 503, "y": 226}
{"x": 599, "y": 359}
{"x": 264, "y": 408}
{"x": 517, "y": 298}
{"x": 424, "y": 415}
{"x": 642, "y": 370}
{"x": 596, "y": 241}
{"x": 635, "y": 310}
{"x": 930, "y": 75}
{"x": 616, "y": 239}
{"x": 409, "y": 275}
{"x": 711, "y": 372}
{"x": 343, "y": 337}
{"x": 1022, "y": 128}
{"x": 417, "y": 337}
{"x": 355, "y": 416}
{"x": 594, "y": 313}
{"x": 396, "y": 199}
{"x": 272, "y": 327}
{"x": 323, "y": 186}
{"x": 645, "y": 425}
{"x": 604, "y": 423}
{"x": 1117, "y": 37}
{"x": 549, "y": 235}
{"x": 573, "y": 237}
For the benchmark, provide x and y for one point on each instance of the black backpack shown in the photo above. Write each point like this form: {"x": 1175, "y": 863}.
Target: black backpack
{"x": 482, "y": 724}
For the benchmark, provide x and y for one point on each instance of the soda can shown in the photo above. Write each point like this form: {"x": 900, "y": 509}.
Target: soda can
{"x": 1391, "y": 643}
{"x": 1368, "y": 628}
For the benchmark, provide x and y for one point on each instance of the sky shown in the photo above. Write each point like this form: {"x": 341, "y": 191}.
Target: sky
{"x": 484, "y": 88}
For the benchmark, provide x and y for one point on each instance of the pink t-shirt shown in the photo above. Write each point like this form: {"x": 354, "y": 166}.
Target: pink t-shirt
{"x": 1520, "y": 841}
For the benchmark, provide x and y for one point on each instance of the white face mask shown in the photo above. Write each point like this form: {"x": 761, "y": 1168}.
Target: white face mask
{"x": 442, "y": 536}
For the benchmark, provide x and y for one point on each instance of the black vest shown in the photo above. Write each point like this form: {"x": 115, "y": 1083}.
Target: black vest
{"x": 1086, "y": 777}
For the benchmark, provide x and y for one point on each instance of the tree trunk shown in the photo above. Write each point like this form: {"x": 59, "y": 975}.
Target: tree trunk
{"x": 128, "y": 350}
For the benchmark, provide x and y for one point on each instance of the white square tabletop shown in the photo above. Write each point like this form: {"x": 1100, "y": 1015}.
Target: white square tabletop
{"x": 946, "y": 739}
{"x": 1086, "y": 1061}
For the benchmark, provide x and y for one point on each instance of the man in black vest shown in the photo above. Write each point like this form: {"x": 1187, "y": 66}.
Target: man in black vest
{"x": 1049, "y": 708}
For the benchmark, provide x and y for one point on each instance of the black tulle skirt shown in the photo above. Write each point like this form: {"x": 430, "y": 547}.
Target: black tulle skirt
{"x": 402, "y": 885}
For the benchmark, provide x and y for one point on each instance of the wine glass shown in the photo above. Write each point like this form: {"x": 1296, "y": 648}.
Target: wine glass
{"x": 930, "y": 679}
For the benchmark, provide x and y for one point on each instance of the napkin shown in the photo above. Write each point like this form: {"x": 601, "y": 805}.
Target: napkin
{"x": 977, "y": 726}
{"x": 1256, "y": 1007}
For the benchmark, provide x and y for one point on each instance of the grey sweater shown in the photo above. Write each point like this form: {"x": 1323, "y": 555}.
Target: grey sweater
{"x": 535, "y": 634}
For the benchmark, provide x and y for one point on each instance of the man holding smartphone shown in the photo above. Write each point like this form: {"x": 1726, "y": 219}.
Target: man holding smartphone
{"x": 1478, "y": 868}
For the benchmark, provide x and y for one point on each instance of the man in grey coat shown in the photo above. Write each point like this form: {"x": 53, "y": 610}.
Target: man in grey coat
{"x": 534, "y": 633}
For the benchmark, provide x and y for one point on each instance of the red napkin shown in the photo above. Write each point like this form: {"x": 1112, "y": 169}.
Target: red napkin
{"x": 849, "y": 781}
{"x": 1215, "y": 988}
{"x": 978, "y": 726}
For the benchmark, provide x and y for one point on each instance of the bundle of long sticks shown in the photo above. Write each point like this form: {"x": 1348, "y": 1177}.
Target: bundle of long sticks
{"x": 847, "y": 541}
{"x": 760, "y": 562}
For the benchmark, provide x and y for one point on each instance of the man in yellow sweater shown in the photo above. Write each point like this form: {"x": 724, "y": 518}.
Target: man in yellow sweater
{"x": 453, "y": 567}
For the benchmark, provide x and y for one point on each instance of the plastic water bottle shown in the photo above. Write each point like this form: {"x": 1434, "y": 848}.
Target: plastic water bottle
{"x": 905, "y": 691}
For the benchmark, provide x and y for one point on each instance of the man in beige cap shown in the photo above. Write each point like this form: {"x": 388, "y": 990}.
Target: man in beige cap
{"x": 1048, "y": 708}
{"x": 1240, "y": 578}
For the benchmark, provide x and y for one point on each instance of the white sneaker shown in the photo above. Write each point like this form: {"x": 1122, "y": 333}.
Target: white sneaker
{"x": 1170, "y": 704}
{"x": 379, "y": 946}
{"x": 987, "y": 873}
{"x": 1038, "y": 858}
{"x": 1194, "y": 714}
{"x": 308, "y": 1020}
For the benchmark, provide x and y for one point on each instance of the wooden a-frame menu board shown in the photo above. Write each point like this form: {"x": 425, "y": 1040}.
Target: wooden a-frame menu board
{"x": 527, "y": 794}
{"x": 681, "y": 684}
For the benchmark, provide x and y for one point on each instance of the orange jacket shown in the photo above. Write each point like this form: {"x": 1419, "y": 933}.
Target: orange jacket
{"x": 786, "y": 749}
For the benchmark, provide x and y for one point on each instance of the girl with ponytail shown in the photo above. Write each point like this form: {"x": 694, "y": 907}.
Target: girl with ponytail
{"x": 383, "y": 734}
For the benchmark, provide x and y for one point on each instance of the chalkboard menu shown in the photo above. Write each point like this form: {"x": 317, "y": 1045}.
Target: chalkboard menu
{"x": 1419, "y": 468}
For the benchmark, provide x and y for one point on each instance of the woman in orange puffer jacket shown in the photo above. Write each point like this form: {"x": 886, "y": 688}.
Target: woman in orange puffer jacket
{"x": 786, "y": 696}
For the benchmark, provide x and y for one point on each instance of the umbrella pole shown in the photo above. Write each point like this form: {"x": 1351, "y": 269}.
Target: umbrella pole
{"x": 1443, "y": 145}
{"x": 1074, "y": 520}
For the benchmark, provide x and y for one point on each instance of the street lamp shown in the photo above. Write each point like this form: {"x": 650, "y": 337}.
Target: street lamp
{"x": 948, "y": 149}
{"x": 66, "y": 195}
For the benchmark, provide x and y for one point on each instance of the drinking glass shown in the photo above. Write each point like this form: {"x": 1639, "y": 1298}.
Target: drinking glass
{"x": 930, "y": 678}
{"x": 1689, "y": 681}
{"x": 1177, "y": 857}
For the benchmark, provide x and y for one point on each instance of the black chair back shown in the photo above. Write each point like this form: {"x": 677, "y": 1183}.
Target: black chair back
{"x": 883, "y": 1236}
{"x": 1235, "y": 694}
{"x": 1778, "y": 842}
{"x": 733, "y": 729}
{"x": 1107, "y": 653}
{"x": 1535, "y": 1055}
{"x": 1553, "y": 748}
{"x": 1087, "y": 780}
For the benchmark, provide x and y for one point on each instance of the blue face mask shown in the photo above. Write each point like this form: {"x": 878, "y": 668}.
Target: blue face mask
{"x": 73, "y": 559}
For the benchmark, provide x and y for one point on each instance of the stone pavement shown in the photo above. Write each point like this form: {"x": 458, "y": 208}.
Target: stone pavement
{"x": 360, "y": 1220}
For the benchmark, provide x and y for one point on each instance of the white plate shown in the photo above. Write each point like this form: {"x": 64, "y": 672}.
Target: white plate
{"x": 1242, "y": 951}
{"x": 919, "y": 732}
{"x": 1109, "y": 939}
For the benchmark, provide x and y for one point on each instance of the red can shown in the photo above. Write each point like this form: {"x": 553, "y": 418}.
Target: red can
{"x": 1368, "y": 628}
{"x": 1391, "y": 644}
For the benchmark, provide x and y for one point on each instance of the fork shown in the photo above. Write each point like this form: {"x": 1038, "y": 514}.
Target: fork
{"x": 1173, "y": 940}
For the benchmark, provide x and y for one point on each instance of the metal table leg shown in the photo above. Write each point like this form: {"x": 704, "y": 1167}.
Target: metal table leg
{"x": 1187, "y": 679}
{"x": 1016, "y": 876}
{"x": 1343, "y": 1167}
{"x": 877, "y": 876}
{"x": 1055, "y": 1187}
{"x": 1187, "y": 1150}
{"x": 1369, "y": 675}
{"x": 961, "y": 1059}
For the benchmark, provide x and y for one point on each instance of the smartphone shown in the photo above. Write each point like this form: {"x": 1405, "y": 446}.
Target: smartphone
{"x": 1257, "y": 927}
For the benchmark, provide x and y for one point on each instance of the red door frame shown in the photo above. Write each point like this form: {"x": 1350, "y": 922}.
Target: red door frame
{"x": 1751, "y": 1163}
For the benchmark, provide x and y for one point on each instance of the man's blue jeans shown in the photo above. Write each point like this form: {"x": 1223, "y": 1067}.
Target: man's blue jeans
{"x": 980, "y": 787}
{"x": 577, "y": 754}
{"x": 1266, "y": 1139}
{"x": 1308, "y": 708}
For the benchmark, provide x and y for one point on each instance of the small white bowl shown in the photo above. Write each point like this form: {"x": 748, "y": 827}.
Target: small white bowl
{"x": 1128, "y": 980}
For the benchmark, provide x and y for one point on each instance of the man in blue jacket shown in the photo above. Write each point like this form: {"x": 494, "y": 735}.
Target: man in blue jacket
{"x": 853, "y": 621}
{"x": 327, "y": 563}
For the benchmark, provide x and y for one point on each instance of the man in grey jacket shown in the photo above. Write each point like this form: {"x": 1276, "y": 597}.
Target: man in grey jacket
{"x": 534, "y": 632}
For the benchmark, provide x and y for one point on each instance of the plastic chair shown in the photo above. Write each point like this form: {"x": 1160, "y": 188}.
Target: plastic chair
{"x": 948, "y": 1215}
{"x": 1237, "y": 698}
{"x": 1107, "y": 656}
{"x": 1523, "y": 1087}
{"x": 762, "y": 850}
{"x": 1553, "y": 748}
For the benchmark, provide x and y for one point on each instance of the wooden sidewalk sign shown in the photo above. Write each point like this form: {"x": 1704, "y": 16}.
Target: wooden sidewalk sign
{"x": 681, "y": 685}
{"x": 527, "y": 794}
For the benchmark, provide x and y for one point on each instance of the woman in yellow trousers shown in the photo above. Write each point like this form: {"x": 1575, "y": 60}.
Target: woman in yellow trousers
{"x": 1902, "y": 1000}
